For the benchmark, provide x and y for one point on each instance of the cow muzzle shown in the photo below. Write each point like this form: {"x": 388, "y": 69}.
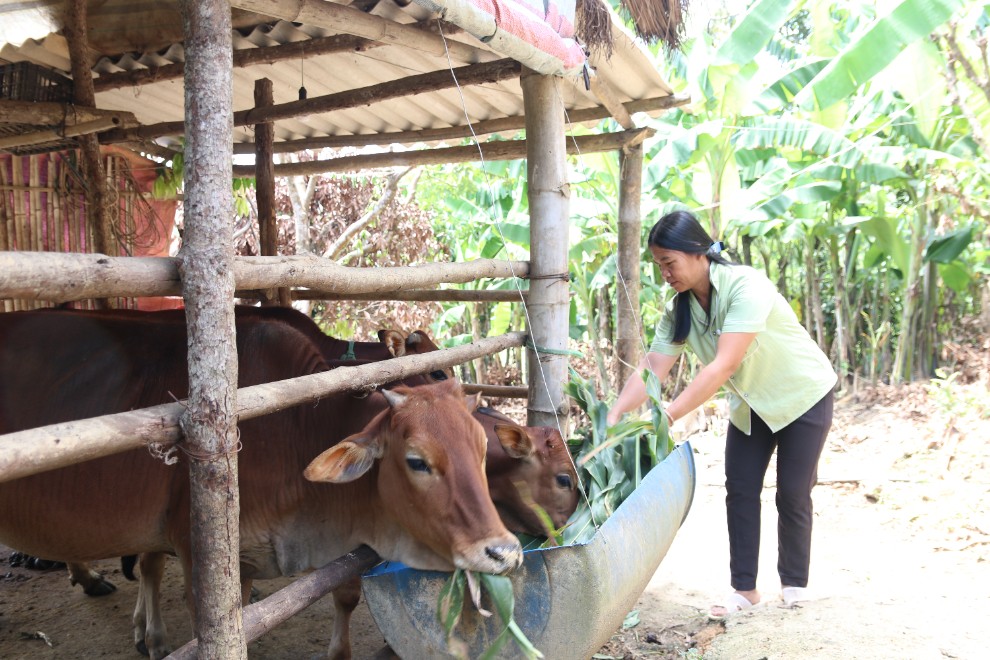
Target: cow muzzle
{"x": 498, "y": 556}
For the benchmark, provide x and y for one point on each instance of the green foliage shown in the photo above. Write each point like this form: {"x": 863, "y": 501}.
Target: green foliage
{"x": 611, "y": 461}
{"x": 450, "y": 605}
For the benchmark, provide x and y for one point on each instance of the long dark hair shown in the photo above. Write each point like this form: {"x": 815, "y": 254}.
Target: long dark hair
{"x": 681, "y": 231}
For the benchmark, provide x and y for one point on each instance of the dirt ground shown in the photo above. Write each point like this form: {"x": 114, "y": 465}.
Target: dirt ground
{"x": 899, "y": 566}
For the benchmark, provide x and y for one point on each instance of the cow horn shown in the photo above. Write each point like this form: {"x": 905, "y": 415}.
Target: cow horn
{"x": 394, "y": 398}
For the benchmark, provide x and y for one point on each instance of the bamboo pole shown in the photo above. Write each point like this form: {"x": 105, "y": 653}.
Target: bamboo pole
{"x": 629, "y": 333}
{"x": 549, "y": 299}
{"x": 501, "y": 125}
{"x": 67, "y": 277}
{"x": 497, "y": 391}
{"x": 261, "y": 617}
{"x": 17, "y": 169}
{"x": 49, "y": 447}
{"x": 450, "y": 295}
{"x": 488, "y": 151}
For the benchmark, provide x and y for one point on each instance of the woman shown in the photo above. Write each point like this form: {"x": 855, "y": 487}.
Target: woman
{"x": 780, "y": 389}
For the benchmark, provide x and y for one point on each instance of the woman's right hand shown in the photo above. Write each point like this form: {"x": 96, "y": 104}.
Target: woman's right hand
{"x": 613, "y": 416}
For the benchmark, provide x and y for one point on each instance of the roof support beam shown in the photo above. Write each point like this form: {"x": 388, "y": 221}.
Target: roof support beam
{"x": 472, "y": 74}
{"x": 341, "y": 18}
{"x": 55, "y": 135}
{"x": 338, "y": 43}
{"x": 507, "y": 150}
{"x": 44, "y": 113}
{"x": 456, "y": 132}
{"x": 604, "y": 93}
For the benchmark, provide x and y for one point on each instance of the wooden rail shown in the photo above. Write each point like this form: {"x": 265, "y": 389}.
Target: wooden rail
{"x": 48, "y": 447}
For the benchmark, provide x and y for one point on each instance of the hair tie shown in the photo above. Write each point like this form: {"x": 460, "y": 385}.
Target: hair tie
{"x": 716, "y": 248}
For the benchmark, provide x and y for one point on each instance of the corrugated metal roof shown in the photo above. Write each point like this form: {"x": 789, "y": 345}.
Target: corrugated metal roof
{"x": 630, "y": 73}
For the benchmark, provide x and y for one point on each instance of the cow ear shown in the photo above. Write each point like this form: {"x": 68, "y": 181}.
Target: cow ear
{"x": 472, "y": 401}
{"x": 394, "y": 341}
{"x": 345, "y": 461}
{"x": 515, "y": 440}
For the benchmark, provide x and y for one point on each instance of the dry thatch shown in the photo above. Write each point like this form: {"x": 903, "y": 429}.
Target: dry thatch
{"x": 658, "y": 20}
{"x": 654, "y": 20}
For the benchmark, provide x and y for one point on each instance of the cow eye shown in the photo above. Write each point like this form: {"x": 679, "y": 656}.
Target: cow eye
{"x": 417, "y": 464}
{"x": 564, "y": 481}
{"x": 438, "y": 375}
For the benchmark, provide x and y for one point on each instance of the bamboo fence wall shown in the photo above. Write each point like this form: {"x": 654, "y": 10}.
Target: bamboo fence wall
{"x": 42, "y": 209}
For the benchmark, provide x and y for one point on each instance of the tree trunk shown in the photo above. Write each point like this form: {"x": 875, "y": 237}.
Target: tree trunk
{"x": 907, "y": 339}
{"x": 546, "y": 172}
{"x": 841, "y": 344}
{"x": 815, "y": 292}
{"x": 206, "y": 267}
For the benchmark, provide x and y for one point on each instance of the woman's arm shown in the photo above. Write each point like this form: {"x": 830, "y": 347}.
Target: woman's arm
{"x": 633, "y": 393}
{"x": 729, "y": 354}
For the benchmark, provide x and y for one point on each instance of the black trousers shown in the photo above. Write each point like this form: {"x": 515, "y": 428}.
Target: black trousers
{"x": 799, "y": 446}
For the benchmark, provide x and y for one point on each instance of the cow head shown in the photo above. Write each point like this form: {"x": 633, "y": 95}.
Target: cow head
{"x": 429, "y": 453}
{"x": 534, "y": 470}
{"x": 419, "y": 342}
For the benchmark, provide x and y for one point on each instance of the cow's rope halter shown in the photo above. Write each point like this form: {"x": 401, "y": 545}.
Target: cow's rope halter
{"x": 496, "y": 214}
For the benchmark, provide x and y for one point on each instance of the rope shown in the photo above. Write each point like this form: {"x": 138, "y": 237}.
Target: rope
{"x": 516, "y": 278}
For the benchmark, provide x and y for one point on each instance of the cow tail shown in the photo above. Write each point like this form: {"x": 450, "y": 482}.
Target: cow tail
{"x": 127, "y": 565}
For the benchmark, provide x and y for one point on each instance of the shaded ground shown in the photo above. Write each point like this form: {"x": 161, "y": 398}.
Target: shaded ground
{"x": 902, "y": 539}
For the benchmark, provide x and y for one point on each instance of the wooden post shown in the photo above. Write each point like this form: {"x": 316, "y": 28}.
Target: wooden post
{"x": 264, "y": 141}
{"x": 92, "y": 163}
{"x": 206, "y": 269}
{"x": 629, "y": 334}
{"x": 546, "y": 171}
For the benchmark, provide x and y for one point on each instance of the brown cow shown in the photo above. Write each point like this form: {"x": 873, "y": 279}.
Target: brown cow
{"x": 537, "y": 471}
{"x": 409, "y": 483}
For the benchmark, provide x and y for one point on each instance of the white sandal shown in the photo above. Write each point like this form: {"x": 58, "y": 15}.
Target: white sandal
{"x": 794, "y": 595}
{"x": 734, "y": 602}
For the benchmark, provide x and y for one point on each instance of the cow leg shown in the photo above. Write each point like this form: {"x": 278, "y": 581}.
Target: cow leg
{"x": 150, "y": 636}
{"x": 247, "y": 592}
{"x": 345, "y": 598}
{"x": 92, "y": 582}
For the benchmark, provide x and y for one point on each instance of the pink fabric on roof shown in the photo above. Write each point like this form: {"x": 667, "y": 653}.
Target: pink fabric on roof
{"x": 519, "y": 21}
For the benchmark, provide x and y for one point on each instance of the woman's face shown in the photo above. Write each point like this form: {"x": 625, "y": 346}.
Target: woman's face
{"x": 681, "y": 270}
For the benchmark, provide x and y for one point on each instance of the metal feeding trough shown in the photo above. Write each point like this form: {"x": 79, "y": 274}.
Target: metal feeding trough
{"x": 568, "y": 600}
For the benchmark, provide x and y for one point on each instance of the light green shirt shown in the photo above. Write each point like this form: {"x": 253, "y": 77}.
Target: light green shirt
{"x": 783, "y": 373}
